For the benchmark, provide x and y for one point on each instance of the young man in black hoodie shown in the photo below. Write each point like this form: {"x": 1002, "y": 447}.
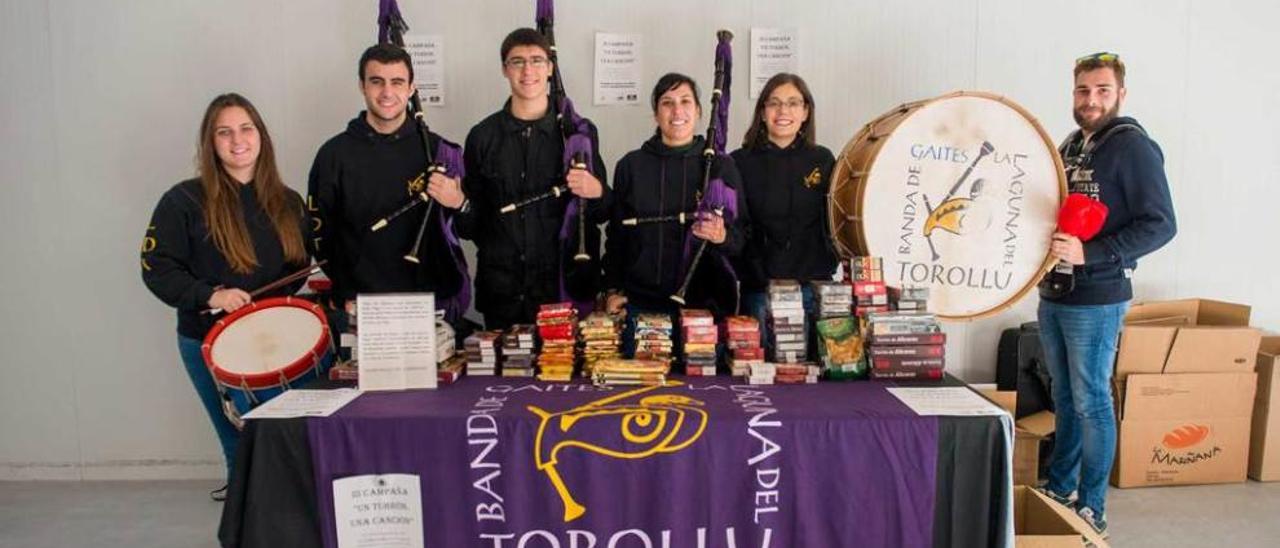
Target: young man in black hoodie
{"x": 1111, "y": 159}
{"x": 370, "y": 170}
{"x": 512, "y": 155}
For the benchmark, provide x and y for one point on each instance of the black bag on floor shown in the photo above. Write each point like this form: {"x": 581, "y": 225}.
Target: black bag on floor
{"x": 1020, "y": 366}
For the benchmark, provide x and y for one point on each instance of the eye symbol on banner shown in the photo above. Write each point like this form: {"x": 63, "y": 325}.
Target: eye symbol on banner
{"x": 613, "y": 427}
{"x": 952, "y": 214}
{"x": 813, "y": 178}
{"x": 417, "y": 185}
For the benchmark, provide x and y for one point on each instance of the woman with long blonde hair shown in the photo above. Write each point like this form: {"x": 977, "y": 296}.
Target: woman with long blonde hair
{"x": 215, "y": 237}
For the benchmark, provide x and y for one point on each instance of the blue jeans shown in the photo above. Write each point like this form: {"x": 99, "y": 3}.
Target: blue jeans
{"x": 1080, "y": 349}
{"x": 756, "y": 305}
{"x": 202, "y": 380}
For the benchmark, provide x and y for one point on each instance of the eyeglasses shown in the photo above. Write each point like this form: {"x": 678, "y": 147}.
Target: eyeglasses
{"x": 793, "y": 104}
{"x": 519, "y": 63}
{"x": 1104, "y": 56}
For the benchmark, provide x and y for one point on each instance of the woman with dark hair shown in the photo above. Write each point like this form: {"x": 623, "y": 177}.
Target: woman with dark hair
{"x": 213, "y": 238}
{"x": 663, "y": 178}
{"x": 785, "y": 176}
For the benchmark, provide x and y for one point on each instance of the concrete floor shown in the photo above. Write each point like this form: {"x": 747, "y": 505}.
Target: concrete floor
{"x": 178, "y": 514}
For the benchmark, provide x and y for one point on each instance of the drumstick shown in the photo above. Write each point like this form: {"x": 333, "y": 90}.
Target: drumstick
{"x": 278, "y": 283}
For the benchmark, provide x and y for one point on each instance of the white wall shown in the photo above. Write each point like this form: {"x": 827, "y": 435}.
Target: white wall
{"x": 102, "y": 99}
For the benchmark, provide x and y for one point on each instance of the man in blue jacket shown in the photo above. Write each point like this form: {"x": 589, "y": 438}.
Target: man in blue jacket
{"x": 1112, "y": 159}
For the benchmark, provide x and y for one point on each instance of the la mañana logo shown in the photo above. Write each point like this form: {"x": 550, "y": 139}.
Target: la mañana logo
{"x": 1184, "y": 440}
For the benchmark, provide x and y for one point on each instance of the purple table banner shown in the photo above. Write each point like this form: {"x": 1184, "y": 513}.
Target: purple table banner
{"x": 700, "y": 463}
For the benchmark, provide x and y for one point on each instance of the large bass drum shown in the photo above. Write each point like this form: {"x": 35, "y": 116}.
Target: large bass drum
{"x": 959, "y": 194}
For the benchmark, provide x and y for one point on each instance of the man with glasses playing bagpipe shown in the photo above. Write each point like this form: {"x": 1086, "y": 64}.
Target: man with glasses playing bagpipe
{"x": 533, "y": 171}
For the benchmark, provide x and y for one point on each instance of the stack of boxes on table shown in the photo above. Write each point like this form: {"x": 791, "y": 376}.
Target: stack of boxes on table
{"x": 742, "y": 336}
{"x": 482, "y": 351}
{"x": 517, "y": 351}
{"x": 835, "y": 299}
{"x": 450, "y": 365}
{"x": 906, "y": 345}
{"x": 869, "y": 291}
{"x": 600, "y": 340}
{"x": 786, "y": 321}
{"x": 653, "y": 338}
{"x": 619, "y": 372}
{"x": 782, "y": 373}
{"x": 700, "y": 336}
{"x": 558, "y": 329}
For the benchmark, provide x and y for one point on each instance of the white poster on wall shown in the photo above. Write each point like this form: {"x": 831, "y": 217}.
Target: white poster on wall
{"x": 397, "y": 341}
{"x": 617, "y": 71}
{"x": 427, "y": 52}
{"x": 378, "y": 511}
{"x": 772, "y": 51}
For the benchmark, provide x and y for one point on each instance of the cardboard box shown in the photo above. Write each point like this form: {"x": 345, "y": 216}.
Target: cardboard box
{"x": 1187, "y": 336}
{"x": 1184, "y": 389}
{"x": 1038, "y": 522}
{"x": 1264, "y": 444}
{"x": 1029, "y": 433}
{"x": 1183, "y": 429}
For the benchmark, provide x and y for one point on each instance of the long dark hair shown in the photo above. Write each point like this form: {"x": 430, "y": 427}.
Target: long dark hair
{"x": 222, "y": 212}
{"x": 758, "y": 134}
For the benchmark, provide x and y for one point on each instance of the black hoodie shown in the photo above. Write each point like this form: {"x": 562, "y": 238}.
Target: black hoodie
{"x": 787, "y": 193}
{"x": 1126, "y": 172}
{"x": 182, "y": 267}
{"x": 645, "y": 261}
{"x": 358, "y": 177}
{"x": 508, "y": 160}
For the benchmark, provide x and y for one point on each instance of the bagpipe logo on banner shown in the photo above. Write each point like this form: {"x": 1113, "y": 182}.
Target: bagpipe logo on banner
{"x": 634, "y": 424}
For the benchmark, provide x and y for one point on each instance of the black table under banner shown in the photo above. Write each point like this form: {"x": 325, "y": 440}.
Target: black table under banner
{"x": 848, "y": 464}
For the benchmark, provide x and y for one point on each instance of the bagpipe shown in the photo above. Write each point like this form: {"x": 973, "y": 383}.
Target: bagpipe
{"x": 579, "y": 243}
{"x": 445, "y": 159}
{"x": 714, "y": 196}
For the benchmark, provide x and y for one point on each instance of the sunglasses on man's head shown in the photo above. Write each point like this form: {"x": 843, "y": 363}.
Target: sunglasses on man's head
{"x": 1104, "y": 56}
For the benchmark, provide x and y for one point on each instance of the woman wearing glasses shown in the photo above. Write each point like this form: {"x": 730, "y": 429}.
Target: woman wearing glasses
{"x": 785, "y": 175}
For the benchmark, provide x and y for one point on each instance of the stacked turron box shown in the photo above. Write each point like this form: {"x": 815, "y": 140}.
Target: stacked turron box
{"x": 742, "y": 337}
{"x": 653, "y": 337}
{"x": 617, "y": 372}
{"x": 599, "y": 332}
{"x": 517, "y": 351}
{"x": 835, "y": 299}
{"x": 483, "y": 351}
{"x": 558, "y": 331}
{"x": 913, "y": 299}
{"x": 699, "y": 336}
{"x": 786, "y": 321}
{"x": 870, "y": 294}
{"x": 906, "y": 345}
{"x": 783, "y": 373}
